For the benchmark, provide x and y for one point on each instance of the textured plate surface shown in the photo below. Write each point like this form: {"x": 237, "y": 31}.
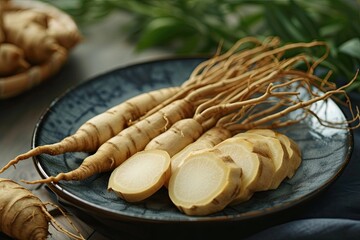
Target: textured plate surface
{"x": 325, "y": 151}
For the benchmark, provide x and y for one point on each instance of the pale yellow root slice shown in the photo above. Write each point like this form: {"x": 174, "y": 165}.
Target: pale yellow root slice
{"x": 205, "y": 183}
{"x": 257, "y": 171}
{"x": 207, "y": 140}
{"x": 141, "y": 175}
{"x": 290, "y": 145}
{"x": 272, "y": 148}
{"x": 178, "y": 158}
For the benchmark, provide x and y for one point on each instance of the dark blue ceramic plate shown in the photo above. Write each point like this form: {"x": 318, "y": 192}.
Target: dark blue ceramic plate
{"x": 326, "y": 151}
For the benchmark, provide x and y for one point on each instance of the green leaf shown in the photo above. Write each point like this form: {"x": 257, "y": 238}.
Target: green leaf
{"x": 330, "y": 29}
{"x": 162, "y": 31}
{"x": 279, "y": 20}
{"x": 351, "y": 47}
{"x": 306, "y": 24}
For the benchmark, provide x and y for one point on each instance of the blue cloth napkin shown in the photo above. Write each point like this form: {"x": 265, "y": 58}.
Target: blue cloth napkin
{"x": 316, "y": 228}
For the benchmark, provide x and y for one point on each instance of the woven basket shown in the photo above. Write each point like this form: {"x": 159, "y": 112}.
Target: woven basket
{"x": 58, "y": 22}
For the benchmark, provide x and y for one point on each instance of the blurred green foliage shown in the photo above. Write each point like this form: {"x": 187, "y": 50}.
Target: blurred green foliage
{"x": 198, "y": 26}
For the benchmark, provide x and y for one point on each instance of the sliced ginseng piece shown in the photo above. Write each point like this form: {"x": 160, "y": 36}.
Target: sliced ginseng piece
{"x": 138, "y": 178}
{"x": 205, "y": 183}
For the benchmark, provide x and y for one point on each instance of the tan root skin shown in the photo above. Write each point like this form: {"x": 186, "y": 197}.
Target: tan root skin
{"x": 129, "y": 141}
{"x": 272, "y": 148}
{"x": 206, "y": 183}
{"x": 23, "y": 216}
{"x": 186, "y": 130}
{"x": 18, "y": 201}
{"x": 12, "y": 59}
{"x": 109, "y": 123}
{"x": 141, "y": 175}
{"x": 39, "y": 47}
{"x": 256, "y": 173}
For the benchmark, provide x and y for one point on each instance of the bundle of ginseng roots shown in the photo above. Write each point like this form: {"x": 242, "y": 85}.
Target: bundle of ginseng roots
{"x": 35, "y": 39}
{"x": 211, "y": 141}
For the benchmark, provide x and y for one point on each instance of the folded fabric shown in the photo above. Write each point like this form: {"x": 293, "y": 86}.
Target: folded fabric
{"x": 315, "y": 228}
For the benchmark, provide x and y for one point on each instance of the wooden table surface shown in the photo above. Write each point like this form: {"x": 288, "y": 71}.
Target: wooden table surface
{"x": 104, "y": 48}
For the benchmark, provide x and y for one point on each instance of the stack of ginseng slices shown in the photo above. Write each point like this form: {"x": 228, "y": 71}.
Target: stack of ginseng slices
{"x": 35, "y": 39}
{"x": 212, "y": 141}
